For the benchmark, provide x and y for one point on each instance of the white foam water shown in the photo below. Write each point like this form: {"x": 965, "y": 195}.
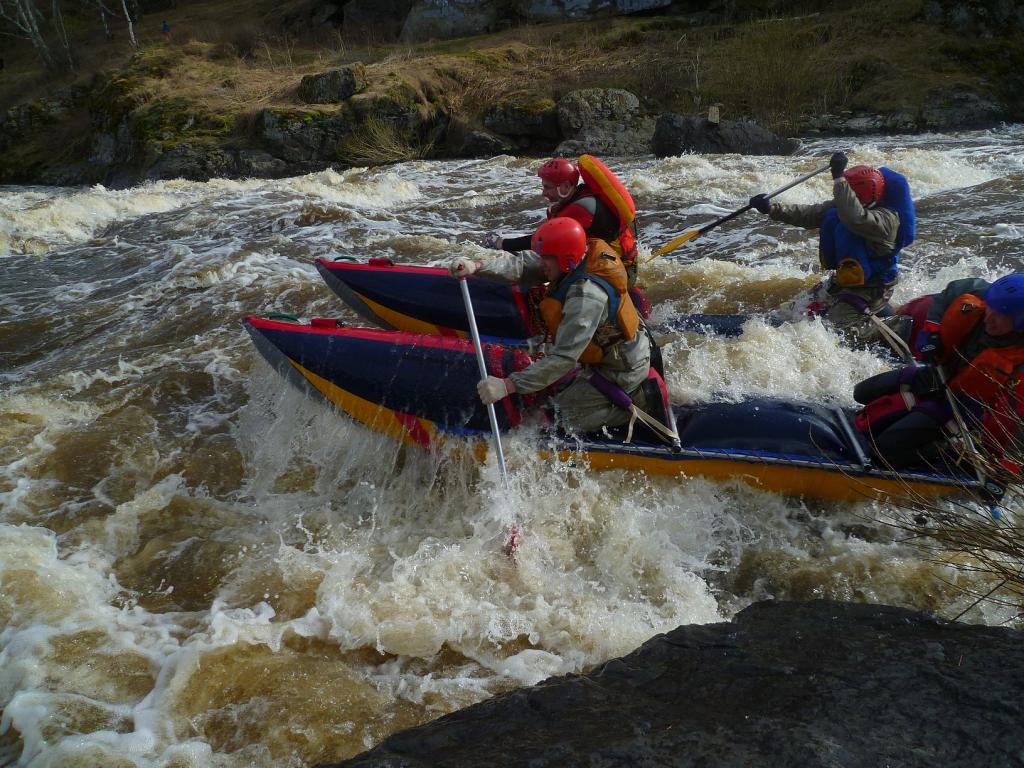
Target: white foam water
{"x": 201, "y": 566}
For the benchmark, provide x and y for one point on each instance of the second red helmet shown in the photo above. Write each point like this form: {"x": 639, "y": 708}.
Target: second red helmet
{"x": 867, "y": 183}
{"x": 558, "y": 170}
{"x": 561, "y": 238}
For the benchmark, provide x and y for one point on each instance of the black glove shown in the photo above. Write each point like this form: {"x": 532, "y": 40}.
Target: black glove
{"x": 926, "y": 380}
{"x": 761, "y": 203}
{"x": 838, "y": 163}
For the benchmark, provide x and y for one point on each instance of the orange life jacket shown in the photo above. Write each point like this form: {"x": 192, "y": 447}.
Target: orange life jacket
{"x": 984, "y": 377}
{"x": 1002, "y": 421}
{"x": 602, "y": 266}
{"x": 958, "y": 321}
{"x": 610, "y": 190}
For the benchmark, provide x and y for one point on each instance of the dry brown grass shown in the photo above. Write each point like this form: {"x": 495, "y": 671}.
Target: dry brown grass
{"x": 228, "y": 56}
{"x": 223, "y": 84}
{"x": 379, "y": 142}
{"x": 975, "y": 535}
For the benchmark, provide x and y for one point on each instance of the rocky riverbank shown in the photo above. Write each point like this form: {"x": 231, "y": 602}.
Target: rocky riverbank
{"x": 784, "y": 684}
{"x": 202, "y": 109}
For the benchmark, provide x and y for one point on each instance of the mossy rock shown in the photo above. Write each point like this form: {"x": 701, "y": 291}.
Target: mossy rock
{"x": 333, "y": 86}
{"x": 400, "y": 105}
{"x": 275, "y": 124}
{"x": 171, "y": 121}
{"x": 198, "y": 159}
{"x": 587, "y": 106}
{"x": 114, "y": 99}
{"x": 25, "y": 119}
{"x": 44, "y": 112}
{"x": 524, "y": 114}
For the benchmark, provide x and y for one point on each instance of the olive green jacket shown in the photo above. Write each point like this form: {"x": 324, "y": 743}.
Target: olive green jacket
{"x": 584, "y": 311}
{"x": 878, "y": 226}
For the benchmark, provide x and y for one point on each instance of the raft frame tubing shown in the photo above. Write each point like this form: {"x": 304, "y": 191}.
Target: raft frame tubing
{"x": 824, "y": 478}
{"x": 391, "y": 318}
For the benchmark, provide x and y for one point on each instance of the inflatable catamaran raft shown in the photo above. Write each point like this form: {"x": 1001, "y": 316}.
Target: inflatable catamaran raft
{"x": 421, "y": 389}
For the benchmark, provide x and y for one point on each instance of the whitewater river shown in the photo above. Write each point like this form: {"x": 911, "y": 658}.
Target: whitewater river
{"x": 200, "y": 566}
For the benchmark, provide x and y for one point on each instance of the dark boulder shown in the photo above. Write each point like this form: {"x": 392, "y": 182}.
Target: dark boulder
{"x": 375, "y": 20}
{"x": 197, "y": 162}
{"x": 256, "y": 163}
{"x": 298, "y": 136}
{"x": 784, "y": 684}
{"x": 38, "y": 115}
{"x": 419, "y": 20}
{"x": 463, "y": 140}
{"x": 546, "y": 10}
{"x": 529, "y": 116}
{"x": 855, "y": 124}
{"x": 675, "y": 134}
{"x": 706, "y": 12}
{"x": 603, "y": 121}
{"x": 333, "y": 86}
{"x": 582, "y": 108}
{"x": 444, "y": 19}
{"x": 960, "y": 110}
{"x": 609, "y": 138}
{"x": 979, "y": 18}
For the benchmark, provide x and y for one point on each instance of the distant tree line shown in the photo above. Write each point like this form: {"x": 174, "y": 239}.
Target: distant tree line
{"x": 41, "y": 23}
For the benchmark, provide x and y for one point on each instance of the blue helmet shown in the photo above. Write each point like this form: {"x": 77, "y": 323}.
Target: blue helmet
{"x": 1006, "y": 296}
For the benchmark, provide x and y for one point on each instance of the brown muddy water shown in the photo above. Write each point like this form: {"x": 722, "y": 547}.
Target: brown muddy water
{"x": 200, "y": 566}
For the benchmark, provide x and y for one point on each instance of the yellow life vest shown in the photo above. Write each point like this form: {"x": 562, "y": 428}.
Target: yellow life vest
{"x": 602, "y": 266}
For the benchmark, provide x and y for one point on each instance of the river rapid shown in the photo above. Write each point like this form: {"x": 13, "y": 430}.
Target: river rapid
{"x": 201, "y": 566}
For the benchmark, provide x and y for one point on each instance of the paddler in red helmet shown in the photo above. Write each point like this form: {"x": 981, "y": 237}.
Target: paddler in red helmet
{"x": 587, "y": 311}
{"x": 560, "y": 185}
{"x": 863, "y": 228}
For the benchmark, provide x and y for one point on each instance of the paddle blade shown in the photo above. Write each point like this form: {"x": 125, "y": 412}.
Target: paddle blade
{"x": 677, "y": 242}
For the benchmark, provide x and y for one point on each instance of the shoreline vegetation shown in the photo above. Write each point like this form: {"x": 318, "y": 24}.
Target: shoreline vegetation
{"x": 263, "y": 89}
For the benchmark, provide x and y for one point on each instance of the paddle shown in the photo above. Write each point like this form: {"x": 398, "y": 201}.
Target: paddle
{"x": 482, "y": 365}
{"x": 694, "y": 234}
{"x": 513, "y": 540}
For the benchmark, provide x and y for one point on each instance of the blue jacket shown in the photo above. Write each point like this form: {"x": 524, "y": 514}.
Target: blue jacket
{"x": 855, "y": 264}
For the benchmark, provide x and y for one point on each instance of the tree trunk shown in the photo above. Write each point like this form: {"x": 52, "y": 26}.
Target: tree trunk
{"x": 106, "y": 27}
{"x": 58, "y": 19}
{"x": 24, "y": 20}
{"x": 131, "y": 28}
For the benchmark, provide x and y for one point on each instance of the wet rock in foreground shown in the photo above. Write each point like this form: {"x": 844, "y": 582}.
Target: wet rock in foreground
{"x": 783, "y": 684}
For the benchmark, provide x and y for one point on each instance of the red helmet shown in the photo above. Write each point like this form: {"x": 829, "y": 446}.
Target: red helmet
{"x": 558, "y": 170}
{"x": 867, "y": 183}
{"x": 561, "y": 238}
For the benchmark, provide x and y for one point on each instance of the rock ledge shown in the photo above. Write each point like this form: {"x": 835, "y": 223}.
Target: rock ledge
{"x": 784, "y": 684}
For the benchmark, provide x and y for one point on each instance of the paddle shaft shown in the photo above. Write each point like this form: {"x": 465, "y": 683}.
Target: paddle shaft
{"x": 482, "y": 364}
{"x": 717, "y": 222}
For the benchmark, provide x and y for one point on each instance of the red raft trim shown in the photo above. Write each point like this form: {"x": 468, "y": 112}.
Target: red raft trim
{"x": 351, "y": 266}
{"x": 403, "y": 338}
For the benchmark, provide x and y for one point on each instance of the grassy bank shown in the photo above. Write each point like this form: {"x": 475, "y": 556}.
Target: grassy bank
{"x": 228, "y": 60}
